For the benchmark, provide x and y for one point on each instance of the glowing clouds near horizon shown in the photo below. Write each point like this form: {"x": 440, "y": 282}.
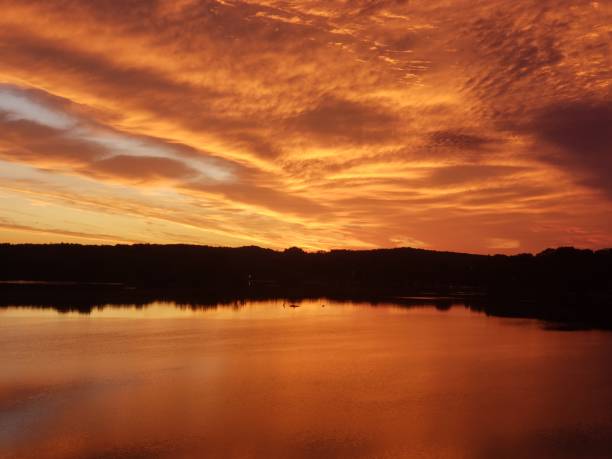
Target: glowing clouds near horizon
{"x": 454, "y": 125}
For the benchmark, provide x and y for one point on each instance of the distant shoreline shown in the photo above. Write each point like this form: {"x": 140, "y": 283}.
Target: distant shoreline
{"x": 564, "y": 284}
{"x": 567, "y": 314}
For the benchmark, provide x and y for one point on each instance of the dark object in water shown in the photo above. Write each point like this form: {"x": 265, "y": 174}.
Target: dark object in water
{"x": 294, "y": 305}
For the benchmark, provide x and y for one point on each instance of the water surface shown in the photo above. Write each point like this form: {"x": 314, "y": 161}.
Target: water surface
{"x": 264, "y": 380}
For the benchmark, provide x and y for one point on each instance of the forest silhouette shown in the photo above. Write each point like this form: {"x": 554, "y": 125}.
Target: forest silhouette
{"x": 564, "y": 284}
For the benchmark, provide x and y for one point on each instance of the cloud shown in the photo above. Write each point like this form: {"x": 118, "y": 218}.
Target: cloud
{"x": 19, "y": 107}
{"x": 34, "y": 143}
{"x": 337, "y": 120}
{"x": 501, "y": 243}
{"x": 85, "y": 237}
{"x": 263, "y": 197}
{"x": 314, "y": 123}
{"x": 580, "y": 134}
{"x": 457, "y": 140}
{"x": 475, "y": 174}
{"x": 38, "y": 131}
{"x": 143, "y": 168}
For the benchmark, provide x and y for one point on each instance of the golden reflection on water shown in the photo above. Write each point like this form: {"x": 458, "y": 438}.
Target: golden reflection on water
{"x": 267, "y": 380}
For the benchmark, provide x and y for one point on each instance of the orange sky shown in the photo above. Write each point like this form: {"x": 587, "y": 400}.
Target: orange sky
{"x": 467, "y": 125}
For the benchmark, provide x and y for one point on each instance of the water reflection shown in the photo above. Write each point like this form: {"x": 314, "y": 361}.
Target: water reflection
{"x": 168, "y": 309}
{"x": 256, "y": 379}
{"x": 88, "y": 297}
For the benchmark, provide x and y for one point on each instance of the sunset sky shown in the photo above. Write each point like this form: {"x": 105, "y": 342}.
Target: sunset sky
{"x": 464, "y": 125}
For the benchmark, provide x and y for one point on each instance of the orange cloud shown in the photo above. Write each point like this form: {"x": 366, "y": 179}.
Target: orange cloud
{"x": 454, "y": 125}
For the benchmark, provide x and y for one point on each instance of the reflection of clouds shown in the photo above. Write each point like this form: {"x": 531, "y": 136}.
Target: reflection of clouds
{"x": 338, "y": 124}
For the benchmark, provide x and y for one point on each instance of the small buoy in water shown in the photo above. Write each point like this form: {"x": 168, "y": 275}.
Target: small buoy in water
{"x": 322, "y": 305}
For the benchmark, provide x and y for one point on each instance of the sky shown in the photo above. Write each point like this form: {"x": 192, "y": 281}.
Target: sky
{"x": 463, "y": 125}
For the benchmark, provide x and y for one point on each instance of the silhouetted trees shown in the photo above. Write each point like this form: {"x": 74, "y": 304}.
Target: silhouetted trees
{"x": 564, "y": 284}
{"x": 564, "y": 269}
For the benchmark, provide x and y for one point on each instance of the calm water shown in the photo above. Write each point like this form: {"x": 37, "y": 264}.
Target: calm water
{"x": 267, "y": 381}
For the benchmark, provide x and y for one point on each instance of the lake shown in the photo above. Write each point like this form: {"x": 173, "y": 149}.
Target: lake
{"x": 322, "y": 380}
